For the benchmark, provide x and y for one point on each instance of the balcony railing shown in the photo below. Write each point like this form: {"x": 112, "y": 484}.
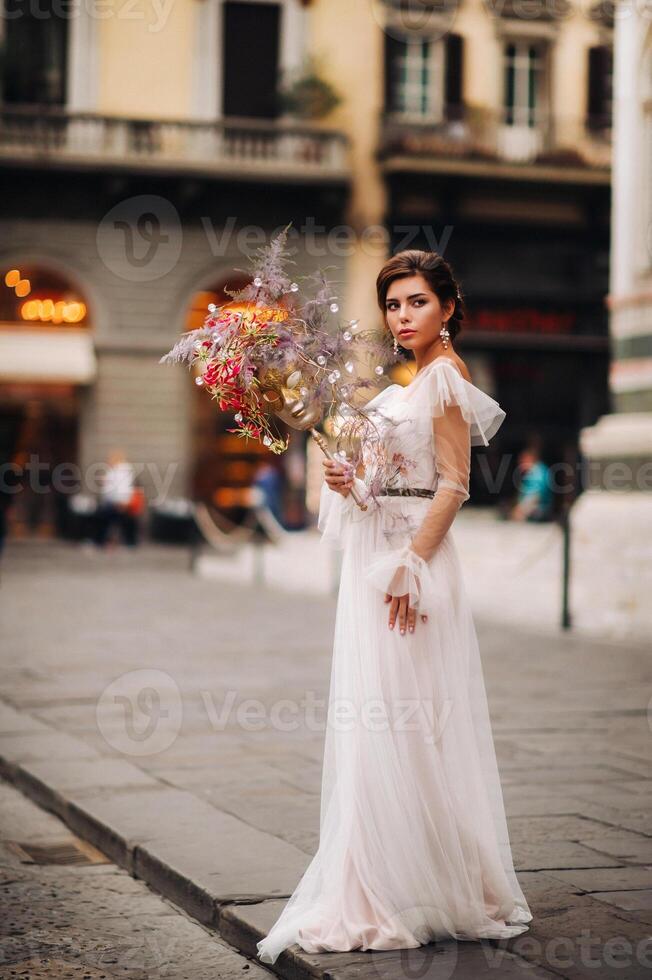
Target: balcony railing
{"x": 247, "y": 149}
{"x": 483, "y": 135}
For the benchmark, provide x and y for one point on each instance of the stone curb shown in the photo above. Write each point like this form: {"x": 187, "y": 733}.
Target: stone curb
{"x": 142, "y": 862}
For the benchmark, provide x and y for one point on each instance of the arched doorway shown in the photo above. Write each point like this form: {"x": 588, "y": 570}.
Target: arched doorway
{"x": 226, "y": 466}
{"x": 46, "y": 362}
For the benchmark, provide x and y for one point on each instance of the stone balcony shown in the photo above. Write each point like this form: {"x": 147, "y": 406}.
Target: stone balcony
{"x": 485, "y": 142}
{"x": 235, "y": 148}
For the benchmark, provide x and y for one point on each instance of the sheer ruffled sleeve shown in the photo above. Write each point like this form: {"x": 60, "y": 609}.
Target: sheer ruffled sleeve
{"x": 443, "y": 385}
{"x": 452, "y": 448}
{"x": 461, "y": 416}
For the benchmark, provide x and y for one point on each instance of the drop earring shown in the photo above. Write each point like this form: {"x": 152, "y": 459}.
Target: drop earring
{"x": 395, "y": 346}
{"x": 444, "y": 334}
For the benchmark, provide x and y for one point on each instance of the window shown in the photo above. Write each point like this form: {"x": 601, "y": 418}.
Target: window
{"x": 523, "y": 83}
{"x": 424, "y": 78}
{"x": 33, "y": 297}
{"x": 35, "y": 55}
{"x": 251, "y": 33}
{"x": 599, "y": 96}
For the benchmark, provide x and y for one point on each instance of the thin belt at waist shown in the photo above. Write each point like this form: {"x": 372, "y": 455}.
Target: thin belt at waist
{"x": 405, "y": 492}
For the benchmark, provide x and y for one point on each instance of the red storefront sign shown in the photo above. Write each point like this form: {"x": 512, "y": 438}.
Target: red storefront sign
{"x": 521, "y": 320}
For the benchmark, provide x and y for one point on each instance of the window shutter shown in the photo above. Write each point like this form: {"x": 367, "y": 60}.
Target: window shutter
{"x": 393, "y": 48}
{"x": 454, "y": 94}
{"x": 597, "y": 116}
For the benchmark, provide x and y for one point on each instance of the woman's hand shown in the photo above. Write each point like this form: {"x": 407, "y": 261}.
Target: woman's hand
{"x": 338, "y": 476}
{"x": 407, "y": 615}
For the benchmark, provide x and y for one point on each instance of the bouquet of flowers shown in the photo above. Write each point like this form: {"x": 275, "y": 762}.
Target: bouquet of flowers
{"x": 275, "y": 350}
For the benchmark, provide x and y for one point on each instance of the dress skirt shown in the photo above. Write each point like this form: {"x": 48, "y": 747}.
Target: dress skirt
{"x": 413, "y": 842}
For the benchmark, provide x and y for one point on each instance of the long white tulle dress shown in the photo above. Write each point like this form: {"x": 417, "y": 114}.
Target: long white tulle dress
{"x": 413, "y": 838}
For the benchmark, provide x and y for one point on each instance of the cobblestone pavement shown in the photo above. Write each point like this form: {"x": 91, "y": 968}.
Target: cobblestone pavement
{"x": 176, "y": 721}
{"x": 87, "y": 918}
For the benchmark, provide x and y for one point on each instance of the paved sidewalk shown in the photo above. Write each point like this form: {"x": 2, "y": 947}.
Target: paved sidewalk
{"x": 102, "y": 923}
{"x": 169, "y": 720}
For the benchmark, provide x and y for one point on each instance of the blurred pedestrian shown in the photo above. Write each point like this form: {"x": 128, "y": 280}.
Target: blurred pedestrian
{"x": 5, "y": 503}
{"x": 267, "y": 478}
{"x": 534, "y": 501}
{"x": 12, "y": 479}
{"x": 121, "y": 502}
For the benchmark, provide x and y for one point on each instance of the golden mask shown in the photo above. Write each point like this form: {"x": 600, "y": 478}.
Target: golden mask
{"x": 290, "y": 392}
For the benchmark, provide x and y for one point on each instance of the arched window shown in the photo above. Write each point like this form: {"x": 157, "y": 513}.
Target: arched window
{"x": 44, "y": 328}
{"x": 47, "y": 360}
{"x": 37, "y": 297}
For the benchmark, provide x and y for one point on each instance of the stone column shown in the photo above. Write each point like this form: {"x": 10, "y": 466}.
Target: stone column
{"x": 611, "y": 523}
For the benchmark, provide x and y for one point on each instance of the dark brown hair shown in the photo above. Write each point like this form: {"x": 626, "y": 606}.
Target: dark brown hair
{"x": 437, "y": 273}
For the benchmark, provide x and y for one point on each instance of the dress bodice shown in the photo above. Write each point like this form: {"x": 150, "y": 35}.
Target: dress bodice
{"x": 416, "y": 436}
{"x": 397, "y": 450}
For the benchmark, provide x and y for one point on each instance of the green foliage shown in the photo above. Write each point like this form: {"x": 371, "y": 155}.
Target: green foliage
{"x": 308, "y": 97}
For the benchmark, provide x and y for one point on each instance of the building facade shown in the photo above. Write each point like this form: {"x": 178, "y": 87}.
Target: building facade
{"x": 144, "y": 152}
{"x": 140, "y": 164}
{"x": 505, "y": 167}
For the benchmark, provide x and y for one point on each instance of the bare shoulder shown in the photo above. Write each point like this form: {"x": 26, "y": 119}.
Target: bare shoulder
{"x": 466, "y": 374}
{"x": 459, "y": 363}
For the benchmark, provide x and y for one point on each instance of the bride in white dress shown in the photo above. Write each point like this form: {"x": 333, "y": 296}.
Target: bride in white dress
{"x": 413, "y": 841}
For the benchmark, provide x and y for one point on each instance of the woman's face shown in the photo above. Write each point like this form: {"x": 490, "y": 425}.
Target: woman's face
{"x": 414, "y": 313}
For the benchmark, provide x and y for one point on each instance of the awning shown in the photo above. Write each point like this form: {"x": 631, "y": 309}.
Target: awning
{"x": 47, "y": 355}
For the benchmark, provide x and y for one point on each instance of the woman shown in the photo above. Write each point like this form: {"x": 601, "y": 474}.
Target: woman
{"x": 413, "y": 839}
